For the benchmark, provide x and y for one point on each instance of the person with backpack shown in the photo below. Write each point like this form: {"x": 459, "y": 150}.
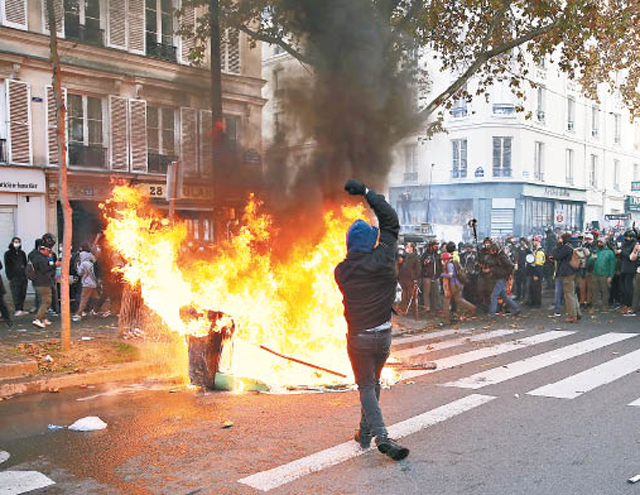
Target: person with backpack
{"x": 568, "y": 263}
{"x": 88, "y": 279}
{"x": 501, "y": 269}
{"x": 41, "y": 271}
{"x": 453, "y": 280}
{"x": 602, "y": 264}
{"x": 581, "y": 249}
{"x": 15, "y": 264}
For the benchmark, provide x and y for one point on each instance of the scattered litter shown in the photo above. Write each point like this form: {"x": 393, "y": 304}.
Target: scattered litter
{"x": 86, "y": 338}
{"x": 55, "y": 427}
{"x": 4, "y": 455}
{"x": 89, "y": 423}
{"x": 634, "y": 479}
{"x": 134, "y": 333}
{"x": 227, "y": 424}
{"x": 517, "y": 396}
{"x": 615, "y": 353}
{"x": 48, "y": 358}
{"x": 21, "y": 330}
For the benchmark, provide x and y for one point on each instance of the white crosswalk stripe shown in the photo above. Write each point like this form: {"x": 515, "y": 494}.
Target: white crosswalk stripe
{"x": 281, "y": 475}
{"x": 429, "y": 336}
{"x": 486, "y": 352}
{"x": 583, "y": 382}
{"x": 534, "y": 363}
{"x": 635, "y": 403}
{"x": 438, "y": 346}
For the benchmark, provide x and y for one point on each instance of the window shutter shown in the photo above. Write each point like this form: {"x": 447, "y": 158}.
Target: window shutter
{"x": 52, "y": 125}
{"x": 119, "y": 130}
{"x": 117, "y": 24}
{"x": 206, "y": 136}
{"x": 18, "y": 98}
{"x": 189, "y": 140}
{"x": 137, "y": 26}
{"x": 14, "y": 14}
{"x": 58, "y": 7}
{"x": 187, "y": 43}
{"x": 230, "y": 51}
{"x": 138, "y": 135}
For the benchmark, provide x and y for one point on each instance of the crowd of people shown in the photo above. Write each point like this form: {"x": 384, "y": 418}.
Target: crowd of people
{"x": 590, "y": 270}
{"x": 94, "y": 288}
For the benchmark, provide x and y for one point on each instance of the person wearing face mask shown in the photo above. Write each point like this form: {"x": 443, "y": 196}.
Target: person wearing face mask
{"x": 15, "y": 265}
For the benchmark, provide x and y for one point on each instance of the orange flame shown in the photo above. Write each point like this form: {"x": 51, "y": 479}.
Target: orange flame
{"x": 292, "y": 306}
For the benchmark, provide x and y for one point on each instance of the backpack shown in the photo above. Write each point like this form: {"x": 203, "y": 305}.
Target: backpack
{"x": 462, "y": 276}
{"x": 31, "y": 271}
{"x": 579, "y": 258}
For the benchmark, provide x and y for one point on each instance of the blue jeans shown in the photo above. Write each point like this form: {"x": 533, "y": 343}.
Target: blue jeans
{"x": 499, "y": 291}
{"x": 557, "y": 296}
{"x": 368, "y": 353}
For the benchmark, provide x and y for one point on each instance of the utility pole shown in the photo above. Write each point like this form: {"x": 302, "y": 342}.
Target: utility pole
{"x": 61, "y": 137}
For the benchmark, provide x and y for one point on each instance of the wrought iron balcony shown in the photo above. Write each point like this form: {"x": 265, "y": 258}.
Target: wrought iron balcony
{"x": 87, "y": 156}
{"x": 161, "y": 51}
{"x": 157, "y": 163}
{"x": 501, "y": 172}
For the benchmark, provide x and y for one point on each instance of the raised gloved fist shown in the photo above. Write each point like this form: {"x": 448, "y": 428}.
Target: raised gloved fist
{"x": 355, "y": 187}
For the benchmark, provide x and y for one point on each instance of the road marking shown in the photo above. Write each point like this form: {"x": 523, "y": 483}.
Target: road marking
{"x": 468, "y": 357}
{"x": 4, "y": 456}
{"x": 429, "y": 336}
{"x": 635, "y": 403}
{"x": 438, "y": 346}
{"x": 576, "y": 385}
{"x": 519, "y": 368}
{"x": 281, "y": 475}
{"x": 17, "y": 482}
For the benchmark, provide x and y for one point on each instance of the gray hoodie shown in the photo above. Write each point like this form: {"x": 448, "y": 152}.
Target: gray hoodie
{"x": 85, "y": 270}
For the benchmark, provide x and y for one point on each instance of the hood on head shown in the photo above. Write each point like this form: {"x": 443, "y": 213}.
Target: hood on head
{"x": 361, "y": 237}
{"x": 85, "y": 256}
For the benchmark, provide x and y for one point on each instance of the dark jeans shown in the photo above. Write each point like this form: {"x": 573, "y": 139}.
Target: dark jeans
{"x": 18, "y": 288}
{"x": 536, "y": 291}
{"x": 627, "y": 288}
{"x": 519, "y": 284}
{"x": 368, "y": 352}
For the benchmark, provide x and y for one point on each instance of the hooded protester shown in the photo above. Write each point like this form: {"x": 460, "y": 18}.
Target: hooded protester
{"x": 562, "y": 254}
{"x": 501, "y": 268}
{"x": 431, "y": 270}
{"x": 367, "y": 280}
{"x": 88, "y": 279}
{"x": 602, "y": 264}
{"x": 408, "y": 275}
{"x": 628, "y": 270}
{"x": 15, "y": 264}
{"x": 452, "y": 286}
{"x": 43, "y": 280}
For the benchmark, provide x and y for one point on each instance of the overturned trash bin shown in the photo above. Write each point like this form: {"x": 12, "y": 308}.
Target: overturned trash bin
{"x": 205, "y": 351}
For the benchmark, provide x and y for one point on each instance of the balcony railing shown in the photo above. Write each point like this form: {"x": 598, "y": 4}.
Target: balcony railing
{"x": 502, "y": 172}
{"x": 87, "y": 156}
{"x": 504, "y": 109}
{"x": 410, "y": 176}
{"x": 457, "y": 173}
{"x": 161, "y": 51}
{"x": 158, "y": 163}
{"x": 540, "y": 115}
{"x": 85, "y": 34}
{"x": 3, "y": 151}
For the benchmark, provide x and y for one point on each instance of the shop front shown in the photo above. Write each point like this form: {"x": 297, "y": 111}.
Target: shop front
{"x": 555, "y": 207}
{"x": 632, "y": 207}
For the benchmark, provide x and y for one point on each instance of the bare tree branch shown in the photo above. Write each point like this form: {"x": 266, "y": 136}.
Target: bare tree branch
{"x": 494, "y": 23}
{"x": 277, "y": 41}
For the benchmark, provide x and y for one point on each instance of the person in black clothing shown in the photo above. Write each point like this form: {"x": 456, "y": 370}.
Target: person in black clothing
{"x": 627, "y": 271}
{"x": 15, "y": 264}
{"x": 45, "y": 270}
{"x": 562, "y": 255}
{"x": 520, "y": 278}
{"x": 367, "y": 280}
{"x": 431, "y": 268}
{"x": 485, "y": 279}
{"x": 4, "y": 310}
{"x": 408, "y": 275}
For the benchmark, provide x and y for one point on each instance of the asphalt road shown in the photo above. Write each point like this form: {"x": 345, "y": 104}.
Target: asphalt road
{"x": 495, "y": 438}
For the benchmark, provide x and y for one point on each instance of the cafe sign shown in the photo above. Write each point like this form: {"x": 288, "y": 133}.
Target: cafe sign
{"x": 23, "y": 181}
{"x": 632, "y": 204}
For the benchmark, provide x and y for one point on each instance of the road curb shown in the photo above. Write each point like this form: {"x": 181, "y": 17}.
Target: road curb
{"x": 108, "y": 374}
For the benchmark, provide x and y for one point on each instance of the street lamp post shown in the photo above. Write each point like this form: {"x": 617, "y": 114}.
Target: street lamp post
{"x": 429, "y": 200}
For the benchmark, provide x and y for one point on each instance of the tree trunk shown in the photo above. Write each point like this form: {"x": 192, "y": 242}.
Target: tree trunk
{"x": 61, "y": 116}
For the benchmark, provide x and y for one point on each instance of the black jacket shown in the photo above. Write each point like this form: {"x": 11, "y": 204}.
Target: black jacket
{"x": 562, "y": 255}
{"x": 431, "y": 264}
{"x": 45, "y": 270}
{"x": 15, "y": 263}
{"x": 409, "y": 270}
{"x": 368, "y": 280}
{"x": 501, "y": 265}
{"x": 626, "y": 265}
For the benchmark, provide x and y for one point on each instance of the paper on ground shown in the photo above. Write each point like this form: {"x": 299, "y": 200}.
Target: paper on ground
{"x": 90, "y": 423}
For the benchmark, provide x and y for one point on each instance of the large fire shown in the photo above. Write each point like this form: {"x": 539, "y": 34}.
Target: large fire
{"x": 292, "y": 305}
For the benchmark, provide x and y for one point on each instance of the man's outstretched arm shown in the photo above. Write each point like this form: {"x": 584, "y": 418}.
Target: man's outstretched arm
{"x": 387, "y": 216}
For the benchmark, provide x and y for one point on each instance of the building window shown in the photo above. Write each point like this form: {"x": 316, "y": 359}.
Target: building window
{"x": 538, "y": 161}
{"x": 616, "y": 175}
{"x": 459, "y": 107}
{"x": 278, "y": 82}
{"x": 159, "y": 30}
{"x": 593, "y": 172}
{"x": 459, "y": 162}
{"x": 232, "y": 130}
{"x": 502, "y": 156}
{"x": 82, "y": 21}
{"x": 504, "y": 109}
{"x": 571, "y": 113}
{"x": 595, "y": 121}
{"x": 636, "y": 172}
{"x": 569, "y": 166}
{"x": 86, "y": 136}
{"x": 278, "y": 123}
{"x": 617, "y": 128}
{"x": 540, "y": 110}
{"x": 161, "y": 138}
{"x": 410, "y": 163}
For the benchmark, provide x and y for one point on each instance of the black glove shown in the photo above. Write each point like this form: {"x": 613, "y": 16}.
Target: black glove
{"x": 355, "y": 187}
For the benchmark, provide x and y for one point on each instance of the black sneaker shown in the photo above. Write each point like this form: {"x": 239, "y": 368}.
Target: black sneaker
{"x": 363, "y": 439}
{"x": 391, "y": 448}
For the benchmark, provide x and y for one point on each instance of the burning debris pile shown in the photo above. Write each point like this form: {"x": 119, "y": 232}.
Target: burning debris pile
{"x": 265, "y": 304}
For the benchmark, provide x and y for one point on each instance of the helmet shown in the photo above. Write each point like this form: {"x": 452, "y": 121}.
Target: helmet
{"x": 49, "y": 240}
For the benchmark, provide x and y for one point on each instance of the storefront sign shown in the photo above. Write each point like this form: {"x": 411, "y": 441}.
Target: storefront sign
{"x": 632, "y": 204}
{"x": 195, "y": 191}
{"x": 635, "y": 186}
{"x": 153, "y": 190}
{"x": 615, "y": 217}
{"x": 19, "y": 180}
{"x": 551, "y": 192}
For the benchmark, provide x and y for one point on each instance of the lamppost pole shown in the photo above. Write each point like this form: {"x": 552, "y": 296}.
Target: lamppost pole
{"x": 429, "y": 200}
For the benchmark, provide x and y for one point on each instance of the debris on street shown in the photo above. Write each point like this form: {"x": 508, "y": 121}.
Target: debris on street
{"x": 89, "y": 423}
{"x": 4, "y": 455}
{"x": 634, "y": 479}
